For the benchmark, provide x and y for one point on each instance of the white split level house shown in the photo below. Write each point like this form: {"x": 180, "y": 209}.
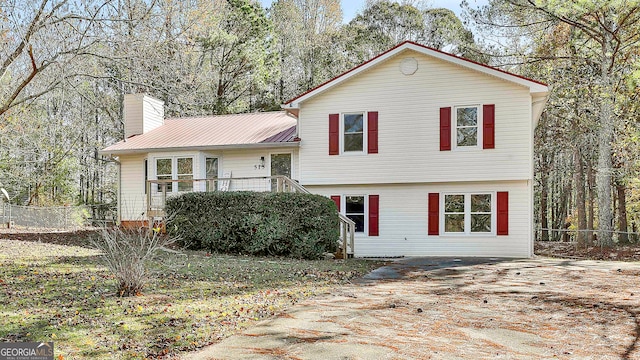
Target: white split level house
{"x": 428, "y": 153}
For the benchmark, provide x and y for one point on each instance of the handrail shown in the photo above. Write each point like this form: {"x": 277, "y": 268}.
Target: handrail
{"x": 347, "y": 226}
{"x": 348, "y": 233}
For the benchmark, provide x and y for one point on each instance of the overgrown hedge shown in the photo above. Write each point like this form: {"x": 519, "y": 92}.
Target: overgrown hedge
{"x": 282, "y": 224}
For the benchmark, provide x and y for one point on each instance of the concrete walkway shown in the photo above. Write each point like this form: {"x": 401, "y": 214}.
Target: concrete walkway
{"x": 444, "y": 308}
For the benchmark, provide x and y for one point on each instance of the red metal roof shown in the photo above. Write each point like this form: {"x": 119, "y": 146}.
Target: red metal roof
{"x": 284, "y": 136}
{"x": 211, "y": 131}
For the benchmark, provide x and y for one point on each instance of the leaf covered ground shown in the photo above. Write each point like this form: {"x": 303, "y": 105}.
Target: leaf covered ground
{"x": 571, "y": 250}
{"x": 62, "y": 293}
{"x": 529, "y": 309}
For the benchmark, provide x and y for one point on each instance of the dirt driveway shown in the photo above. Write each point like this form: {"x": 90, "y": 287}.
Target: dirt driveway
{"x": 459, "y": 309}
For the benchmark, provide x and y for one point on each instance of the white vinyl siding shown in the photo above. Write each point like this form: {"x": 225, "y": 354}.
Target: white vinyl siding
{"x": 132, "y": 196}
{"x": 141, "y": 114}
{"x": 403, "y": 221}
{"x": 409, "y": 127}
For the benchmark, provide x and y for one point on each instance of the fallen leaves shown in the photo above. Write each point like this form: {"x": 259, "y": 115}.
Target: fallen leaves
{"x": 61, "y": 292}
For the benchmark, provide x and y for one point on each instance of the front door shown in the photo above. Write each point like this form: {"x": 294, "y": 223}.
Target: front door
{"x": 280, "y": 165}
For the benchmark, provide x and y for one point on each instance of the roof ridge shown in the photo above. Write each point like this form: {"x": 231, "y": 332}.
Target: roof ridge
{"x": 220, "y": 115}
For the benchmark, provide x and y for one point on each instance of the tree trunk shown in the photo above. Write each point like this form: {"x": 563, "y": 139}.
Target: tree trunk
{"x": 544, "y": 214}
{"x": 605, "y": 138}
{"x": 591, "y": 218}
{"x": 623, "y": 237}
{"x": 581, "y": 215}
{"x": 564, "y": 213}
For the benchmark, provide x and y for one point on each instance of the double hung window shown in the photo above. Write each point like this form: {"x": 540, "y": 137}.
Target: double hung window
{"x": 353, "y": 132}
{"x": 467, "y": 131}
{"x": 355, "y": 210}
{"x": 468, "y": 213}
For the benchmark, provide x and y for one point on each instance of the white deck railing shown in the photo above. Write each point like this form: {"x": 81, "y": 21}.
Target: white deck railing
{"x": 159, "y": 190}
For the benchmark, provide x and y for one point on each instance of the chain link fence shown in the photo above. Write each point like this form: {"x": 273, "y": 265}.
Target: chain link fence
{"x": 56, "y": 217}
{"x": 589, "y": 235}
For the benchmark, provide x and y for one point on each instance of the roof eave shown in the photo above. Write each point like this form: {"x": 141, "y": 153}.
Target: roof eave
{"x": 117, "y": 152}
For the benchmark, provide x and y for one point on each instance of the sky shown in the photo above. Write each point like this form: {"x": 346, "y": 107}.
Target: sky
{"x": 351, "y": 7}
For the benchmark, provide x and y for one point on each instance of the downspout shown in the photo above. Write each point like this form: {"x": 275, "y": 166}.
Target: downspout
{"x": 535, "y": 116}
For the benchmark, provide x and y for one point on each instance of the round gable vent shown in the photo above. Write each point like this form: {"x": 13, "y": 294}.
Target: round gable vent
{"x": 408, "y": 66}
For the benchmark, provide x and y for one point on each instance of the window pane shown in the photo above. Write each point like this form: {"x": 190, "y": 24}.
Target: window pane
{"x": 168, "y": 185}
{"x": 453, "y": 203}
{"x": 454, "y": 222}
{"x": 480, "y": 223}
{"x": 281, "y": 164}
{"x": 163, "y": 167}
{"x": 467, "y": 116}
{"x": 481, "y": 203}
{"x": 353, "y": 123}
{"x": 185, "y": 166}
{"x": 353, "y": 142}
{"x": 211, "y": 166}
{"x": 359, "y": 220}
{"x": 185, "y": 186}
{"x": 355, "y": 204}
{"x": 467, "y": 136}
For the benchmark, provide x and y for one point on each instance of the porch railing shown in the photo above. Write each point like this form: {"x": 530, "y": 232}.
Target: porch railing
{"x": 159, "y": 190}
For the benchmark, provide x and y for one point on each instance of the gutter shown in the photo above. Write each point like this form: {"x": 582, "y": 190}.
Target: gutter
{"x": 200, "y": 148}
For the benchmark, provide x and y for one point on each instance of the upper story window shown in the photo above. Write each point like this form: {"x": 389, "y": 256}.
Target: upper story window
{"x": 467, "y": 131}
{"x": 468, "y": 213}
{"x": 353, "y": 132}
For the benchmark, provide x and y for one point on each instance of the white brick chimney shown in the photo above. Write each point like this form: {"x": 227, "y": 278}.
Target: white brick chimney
{"x": 142, "y": 113}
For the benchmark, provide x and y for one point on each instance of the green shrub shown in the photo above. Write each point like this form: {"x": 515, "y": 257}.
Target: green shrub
{"x": 281, "y": 224}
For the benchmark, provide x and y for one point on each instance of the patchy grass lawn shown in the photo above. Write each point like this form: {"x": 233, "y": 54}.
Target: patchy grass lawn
{"x": 60, "y": 293}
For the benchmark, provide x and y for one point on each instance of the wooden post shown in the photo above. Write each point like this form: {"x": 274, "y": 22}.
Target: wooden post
{"x": 352, "y": 229}
{"x": 164, "y": 195}
{"x": 344, "y": 240}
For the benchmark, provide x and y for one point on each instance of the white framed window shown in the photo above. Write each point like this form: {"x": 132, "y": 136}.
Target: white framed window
{"x": 353, "y": 133}
{"x": 467, "y": 132}
{"x": 468, "y": 213}
{"x": 164, "y": 172}
{"x": 175, "y": 168}
{"x": 211, "y": 172}
{"x": 355, "y": 209}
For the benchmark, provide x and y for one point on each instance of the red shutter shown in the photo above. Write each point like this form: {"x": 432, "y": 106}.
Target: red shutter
{"x": 488, "y": 126}
{"x": 334, "y": 134}
{"x": 434, "y": 214}
{"x": 336, "y": 199}
{"x": 374, "y": 210}
{"x": 503, "y": 213}
{"x": 372, "y": 130}
{"x": 445, "y": 128}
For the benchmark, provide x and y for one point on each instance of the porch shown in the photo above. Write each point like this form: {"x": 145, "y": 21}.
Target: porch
{"x": 157, "y": 192}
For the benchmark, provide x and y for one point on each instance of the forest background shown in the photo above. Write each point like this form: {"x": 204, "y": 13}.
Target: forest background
{"x": 66, "y": 65}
